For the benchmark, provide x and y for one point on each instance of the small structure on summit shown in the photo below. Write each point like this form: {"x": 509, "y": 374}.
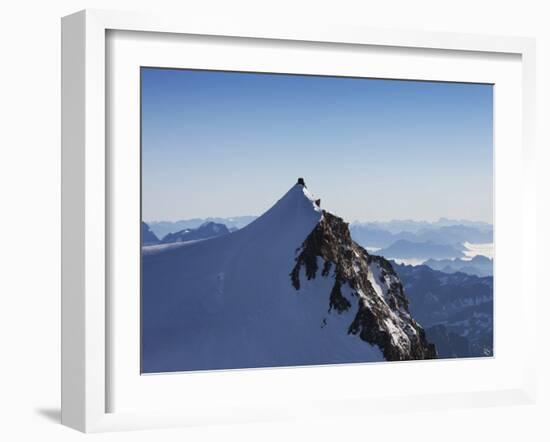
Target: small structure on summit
{"x": 301, "y": 181}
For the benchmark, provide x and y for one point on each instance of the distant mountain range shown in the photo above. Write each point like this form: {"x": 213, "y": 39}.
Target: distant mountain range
{"x": 376, "y": 235}
{"x": 209, "y": 229}
{"x": 415, "y": 242}
{"x": 147, "y": 236}
{"x": 421, "y": 250}
{"x": 456, "y": 309}
{"x": 413, "y": 226}
{"x": 163, "y": 228}
{"x": 478, "y": 266}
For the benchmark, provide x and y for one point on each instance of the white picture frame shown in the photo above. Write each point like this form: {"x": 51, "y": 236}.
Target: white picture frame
{"x": 86, "y": 204}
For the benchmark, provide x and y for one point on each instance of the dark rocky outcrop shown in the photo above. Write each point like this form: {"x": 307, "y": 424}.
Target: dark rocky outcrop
{"x": 382, "y": 316}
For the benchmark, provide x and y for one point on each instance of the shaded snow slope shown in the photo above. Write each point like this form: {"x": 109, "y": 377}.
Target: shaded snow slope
{"x": 229, "y": 301}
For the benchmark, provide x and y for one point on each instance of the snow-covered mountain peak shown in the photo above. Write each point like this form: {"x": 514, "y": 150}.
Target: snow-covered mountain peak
{"x": 293, "y": 216}
{"x": 290, "y": 288}
{"x": 297, "y": 198}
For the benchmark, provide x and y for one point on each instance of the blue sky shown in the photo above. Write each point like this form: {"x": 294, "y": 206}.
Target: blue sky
{"x": 228, "y": 144}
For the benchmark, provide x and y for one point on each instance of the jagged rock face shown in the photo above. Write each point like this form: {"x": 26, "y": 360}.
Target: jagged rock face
{"x": 382, "y": 316}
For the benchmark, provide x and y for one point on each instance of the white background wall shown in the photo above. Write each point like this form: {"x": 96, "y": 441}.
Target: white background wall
{"x": 30, "y": 220}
